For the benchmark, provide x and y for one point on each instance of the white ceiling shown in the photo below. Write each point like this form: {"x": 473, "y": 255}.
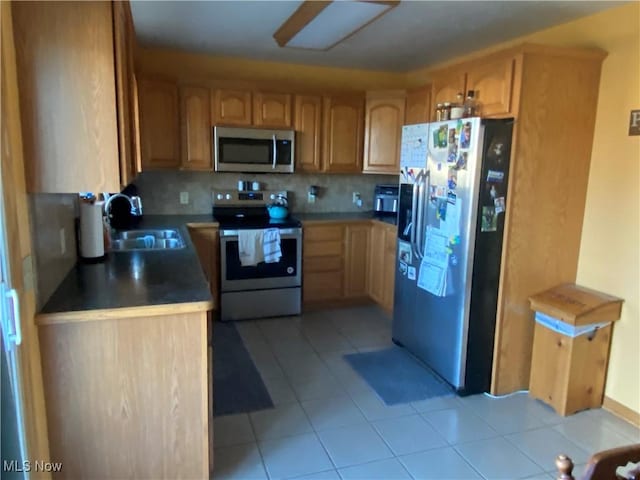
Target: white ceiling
{"x": 414, "y": 34}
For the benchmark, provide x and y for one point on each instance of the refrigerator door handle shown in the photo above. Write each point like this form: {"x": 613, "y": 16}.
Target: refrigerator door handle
{"x": 420, "y": 215}
{"x": 414, "y": 206}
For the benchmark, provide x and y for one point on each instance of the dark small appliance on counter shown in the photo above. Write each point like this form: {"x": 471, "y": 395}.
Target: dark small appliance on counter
{"x": 385, "y": 200}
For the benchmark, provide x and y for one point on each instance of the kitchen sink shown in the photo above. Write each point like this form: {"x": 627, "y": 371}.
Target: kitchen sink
{"x": 126, "y": 240}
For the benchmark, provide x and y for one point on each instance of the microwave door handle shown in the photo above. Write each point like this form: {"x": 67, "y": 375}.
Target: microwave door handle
{"x": 275, "y": 153}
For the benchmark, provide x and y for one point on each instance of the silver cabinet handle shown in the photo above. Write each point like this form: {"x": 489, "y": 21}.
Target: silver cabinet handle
{"x": 275, "y": 152}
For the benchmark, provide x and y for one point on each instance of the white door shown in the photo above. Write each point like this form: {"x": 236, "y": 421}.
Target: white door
{"x": 12, "y": 443}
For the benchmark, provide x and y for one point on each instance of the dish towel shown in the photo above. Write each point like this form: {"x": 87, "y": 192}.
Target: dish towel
{"x": 271, "y": 245}
{"x": 250, "y": 247}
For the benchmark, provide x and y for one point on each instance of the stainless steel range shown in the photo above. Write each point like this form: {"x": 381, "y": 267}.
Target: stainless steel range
{"x": 263, "y": 289}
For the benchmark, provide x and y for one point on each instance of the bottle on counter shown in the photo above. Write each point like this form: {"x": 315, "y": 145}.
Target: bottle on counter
{"x": 457, "y": 108}
{"x": 470, "y": 105}
{"x": 438, "y": 112}
{"x": 446, "y": 111}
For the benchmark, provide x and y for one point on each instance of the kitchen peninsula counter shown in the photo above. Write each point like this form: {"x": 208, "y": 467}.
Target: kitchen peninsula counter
{"x": 126, "y": 365}
{"x": 144, "y": 282}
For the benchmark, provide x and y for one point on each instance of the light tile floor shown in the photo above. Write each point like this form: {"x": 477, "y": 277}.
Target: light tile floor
{"x": 329, "y": 424}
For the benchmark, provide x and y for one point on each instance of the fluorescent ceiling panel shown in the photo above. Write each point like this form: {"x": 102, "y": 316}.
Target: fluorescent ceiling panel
{"x": 336, "y": 22}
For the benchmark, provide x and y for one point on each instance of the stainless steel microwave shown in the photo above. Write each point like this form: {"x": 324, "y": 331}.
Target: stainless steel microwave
{"x": 237, "y": 149}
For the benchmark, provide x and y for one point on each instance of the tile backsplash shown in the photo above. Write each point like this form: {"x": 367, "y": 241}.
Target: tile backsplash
{"x": 52, "y": 216}
{"x": 160, "y": 191}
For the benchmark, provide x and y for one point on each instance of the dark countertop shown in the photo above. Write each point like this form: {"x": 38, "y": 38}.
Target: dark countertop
{"x": 343, "y": 216}
{"x": 136, "y": 279}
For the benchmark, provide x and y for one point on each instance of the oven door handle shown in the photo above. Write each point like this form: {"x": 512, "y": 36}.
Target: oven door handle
{"x": 284, "y": 233}
{"x": 275, "y": 153}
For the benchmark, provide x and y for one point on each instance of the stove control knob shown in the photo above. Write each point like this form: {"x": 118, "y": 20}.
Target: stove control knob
{"x": 227, "y": 196}
{"x": 272, "y": 196}
{"x": 219, "y": 196}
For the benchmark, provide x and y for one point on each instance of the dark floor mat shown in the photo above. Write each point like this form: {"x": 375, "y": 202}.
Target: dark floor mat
{"x": 396, "y": 376}
{"x": 237, "y": 384}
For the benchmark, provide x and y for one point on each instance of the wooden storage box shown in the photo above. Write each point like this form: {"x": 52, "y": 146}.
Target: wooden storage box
{"x": 571, "y": 346}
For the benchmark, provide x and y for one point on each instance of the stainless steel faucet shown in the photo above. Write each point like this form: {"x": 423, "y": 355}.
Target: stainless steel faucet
{"x": 135, "y": 202}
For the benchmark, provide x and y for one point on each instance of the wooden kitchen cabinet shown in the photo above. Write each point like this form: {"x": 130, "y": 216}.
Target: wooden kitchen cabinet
{"x": 195, "y": 128}
{"x": 492, "y": 83}
{"x": 382, "y": 264}
{"x": 418, "y": 106}
{"x": 445, "y": 87}
{"x": 342, "y": 133}
{"x": 66, "y": 71}
{"x": 308, "y": 126}
{"x": 159, "y": 124}
{"x": 232, "y": 107}
{"x": 356, "y": 260}
{"x": 322, "y": 263}
{"x": 384, "y": 117}
{"x": 272, "y": 110}
{"x": 206, "y": 241}
{"x": 128, "y": 138}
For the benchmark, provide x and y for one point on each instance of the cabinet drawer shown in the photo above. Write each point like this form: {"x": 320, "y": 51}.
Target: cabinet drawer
{"x": 322, "y": 264}
{"x": 324, "y": 232}
{"x": 322, "y": 286}
{"x": 322, "y": 249}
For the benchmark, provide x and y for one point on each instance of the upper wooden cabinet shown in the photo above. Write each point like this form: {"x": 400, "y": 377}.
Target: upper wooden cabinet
{"x": 308, "y": 127}
{"x": 492, "y": 83}
{"x": 418, "y": 106}
{"x": 384, "y": 117}
{"x": 128, "y": 137}
{"x": 445, "y": 88}
{"x": 66, "y": 73}
{"x": 159, "y": 124}
{"x": 342, "y": 133}
{"x": 232, "y": 107}
{"x": 272, "y": 110}
{"x": 195, "y": 120}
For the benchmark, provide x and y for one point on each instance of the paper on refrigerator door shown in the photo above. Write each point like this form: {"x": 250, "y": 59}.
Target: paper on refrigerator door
{"x": 432, "y": 276}
{"x": 415, "y": 146}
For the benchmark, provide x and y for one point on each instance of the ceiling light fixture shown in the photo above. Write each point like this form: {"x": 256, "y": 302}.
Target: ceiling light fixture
{"x": 320, "y": 25}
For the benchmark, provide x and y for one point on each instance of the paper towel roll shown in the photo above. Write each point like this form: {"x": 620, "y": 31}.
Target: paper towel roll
{"x": 91, "y": 237}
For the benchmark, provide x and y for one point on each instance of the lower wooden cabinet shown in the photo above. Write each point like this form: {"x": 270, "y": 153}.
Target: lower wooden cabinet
{"x": 206, "y": 241}
{"x": 347, "y": 262}
{"x": 382, "y": 264}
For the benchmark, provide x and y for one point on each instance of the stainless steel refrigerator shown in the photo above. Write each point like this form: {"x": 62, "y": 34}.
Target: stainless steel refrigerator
{"x": 453, "y": 191}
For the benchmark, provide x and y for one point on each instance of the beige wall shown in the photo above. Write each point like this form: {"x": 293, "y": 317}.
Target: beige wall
{"x": 610, "y": 247}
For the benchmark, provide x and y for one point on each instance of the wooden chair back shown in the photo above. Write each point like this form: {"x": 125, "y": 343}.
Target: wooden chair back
{"x": 603, "y": 465}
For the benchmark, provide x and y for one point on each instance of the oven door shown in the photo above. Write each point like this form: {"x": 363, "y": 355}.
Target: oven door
{"x": 285, "y": 273}
{"x": 253, "y": 150}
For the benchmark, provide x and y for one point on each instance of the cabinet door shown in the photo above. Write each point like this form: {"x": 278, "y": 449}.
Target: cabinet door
{"x": 389, "y": 267}
{"x": 376, "y": 266}
{"x": 356, "y": 260}
{"x": 383, "y": 119}
{"x": 342, "y": 134}
{"x": 308, "y": 126}
{"x": 492, "y": 83}
{"x": 195, "y": 128}
{"x": 124, "y": 92}
{"x": 272, "y": 110}
{"x": 418, "y": 106}
{"x": 64, "y": 59}
{"x": 159, "y": 124}
{"x": 446, "y": 87}
{"x": 232, "y": 107}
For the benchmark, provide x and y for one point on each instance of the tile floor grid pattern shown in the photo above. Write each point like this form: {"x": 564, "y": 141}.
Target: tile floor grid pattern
{"x": 320, "y": 401}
